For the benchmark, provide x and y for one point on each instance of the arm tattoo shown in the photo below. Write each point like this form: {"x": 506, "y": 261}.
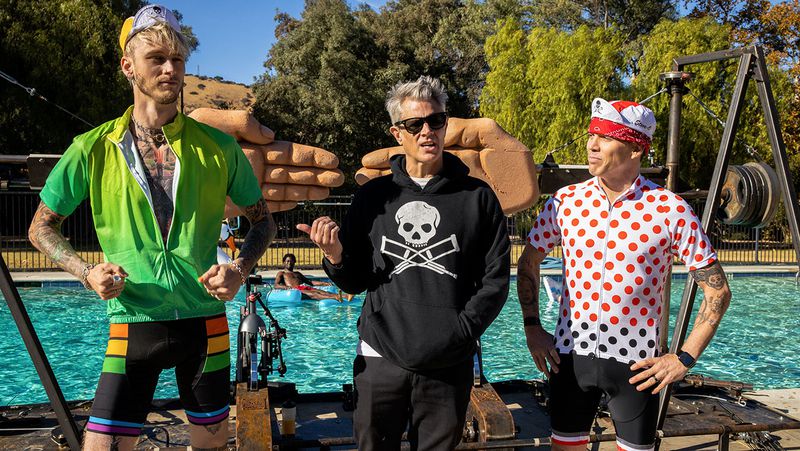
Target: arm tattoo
{"x": 262, "y": 231}
{"x": 711, "y": 275}
{"x": 528, "y": 289}
{"x": 711, "y": 311}
{"x": 716, "y": 294}
{"x": 45, "y": 235}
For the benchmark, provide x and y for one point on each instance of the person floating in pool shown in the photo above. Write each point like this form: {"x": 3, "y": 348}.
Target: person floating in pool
{"x": 163, "y": 286}
{"x": 430, "y": 246}
{"x": 619, "y": 233}
{"x": 288, "y": 278}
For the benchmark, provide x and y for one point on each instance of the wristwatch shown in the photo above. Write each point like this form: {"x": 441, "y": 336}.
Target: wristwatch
{"x": 686, "y": 359}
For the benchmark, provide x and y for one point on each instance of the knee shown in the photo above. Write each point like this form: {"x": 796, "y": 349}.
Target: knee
{"x": 213, "y": 436}
{"x": 93, "y": 441}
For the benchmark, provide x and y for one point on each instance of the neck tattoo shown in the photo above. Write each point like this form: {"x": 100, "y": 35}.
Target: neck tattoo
{"x": 149, "y": 135}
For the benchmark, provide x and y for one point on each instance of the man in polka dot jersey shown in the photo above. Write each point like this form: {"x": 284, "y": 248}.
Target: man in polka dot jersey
{"x": 619, "y": 233}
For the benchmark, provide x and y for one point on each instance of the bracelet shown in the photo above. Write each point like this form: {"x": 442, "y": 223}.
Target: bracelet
{"x": 531, "y": 321}
{"x": 238, "y": 268}
{"x": 85, "y": 276}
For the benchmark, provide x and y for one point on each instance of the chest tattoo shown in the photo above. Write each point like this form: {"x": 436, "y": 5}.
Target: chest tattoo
{"x": 159, "y": 163}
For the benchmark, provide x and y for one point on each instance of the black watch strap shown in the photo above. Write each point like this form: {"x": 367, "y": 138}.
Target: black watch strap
{"x": 686, "y": 359}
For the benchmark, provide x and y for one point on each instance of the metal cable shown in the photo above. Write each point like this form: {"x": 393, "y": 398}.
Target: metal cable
{"x": 747, "y": 147}
{"x": 33, "y": 93}
{"x": 662, "y": 91}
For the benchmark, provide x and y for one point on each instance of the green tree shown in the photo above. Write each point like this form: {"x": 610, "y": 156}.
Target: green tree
{"x": 320, "y": 87}
{"x": 328, "y": 74}
{"x": 69, "y": 52}
{"x": 712, "y": 83}
{"x": 441, "y": 38}
{"x": 631, "y": 17}
{"x": 775, "y": 27}
{"x": 542, "y": 82}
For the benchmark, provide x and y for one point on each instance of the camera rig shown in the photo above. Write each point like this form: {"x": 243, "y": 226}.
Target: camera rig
{"x": 257, "y": 336}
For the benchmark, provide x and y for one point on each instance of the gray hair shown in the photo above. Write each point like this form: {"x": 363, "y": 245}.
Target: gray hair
{"x": 424, "y": 88}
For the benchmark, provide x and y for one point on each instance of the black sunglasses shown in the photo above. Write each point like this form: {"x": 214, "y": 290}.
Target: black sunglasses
{"x": 414, "y": 125}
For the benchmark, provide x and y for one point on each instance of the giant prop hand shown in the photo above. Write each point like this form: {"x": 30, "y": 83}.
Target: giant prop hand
{"x": 287, "y": 172}
{"x": 491, "y": 154}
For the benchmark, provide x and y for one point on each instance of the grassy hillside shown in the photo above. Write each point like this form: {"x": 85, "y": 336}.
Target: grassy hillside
{"x": 201, "y": 91}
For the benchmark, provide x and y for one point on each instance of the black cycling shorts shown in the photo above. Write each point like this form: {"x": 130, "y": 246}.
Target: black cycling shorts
{"x": 198, "y": 349}
{"x": 575, "y": 393}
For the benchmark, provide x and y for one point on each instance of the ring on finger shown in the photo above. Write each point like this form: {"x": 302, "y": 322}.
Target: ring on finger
{"x": 655, "y": 378}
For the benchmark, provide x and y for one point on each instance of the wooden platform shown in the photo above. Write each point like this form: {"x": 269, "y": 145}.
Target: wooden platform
{"x": 321, "y": 419}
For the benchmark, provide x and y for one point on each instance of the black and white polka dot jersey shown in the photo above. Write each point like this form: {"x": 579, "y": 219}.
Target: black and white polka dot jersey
{"x": 616, "y": 261}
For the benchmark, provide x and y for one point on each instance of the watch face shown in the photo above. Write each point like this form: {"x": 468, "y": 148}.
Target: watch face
{"x": 686, "y": 359}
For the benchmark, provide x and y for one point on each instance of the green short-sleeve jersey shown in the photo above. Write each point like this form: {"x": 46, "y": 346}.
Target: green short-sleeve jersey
{"x": 162, "y": 282}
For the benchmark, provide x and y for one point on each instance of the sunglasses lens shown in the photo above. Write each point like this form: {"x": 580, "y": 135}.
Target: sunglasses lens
{"x": 437, "y": 120}
{"x": 414, "y": 126}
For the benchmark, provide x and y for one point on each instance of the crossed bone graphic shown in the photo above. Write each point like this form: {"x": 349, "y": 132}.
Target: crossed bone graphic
{"x": 423, "y": 257}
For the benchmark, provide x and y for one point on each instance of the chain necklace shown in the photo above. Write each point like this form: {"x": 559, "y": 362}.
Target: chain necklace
{"x": 149, "y": 135}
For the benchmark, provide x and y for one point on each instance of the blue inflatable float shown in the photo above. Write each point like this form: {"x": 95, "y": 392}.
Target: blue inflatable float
{"x": 294, "y": 296}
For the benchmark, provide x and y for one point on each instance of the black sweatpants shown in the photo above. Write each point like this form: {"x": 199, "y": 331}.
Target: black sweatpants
{"x": 432, "y": 404}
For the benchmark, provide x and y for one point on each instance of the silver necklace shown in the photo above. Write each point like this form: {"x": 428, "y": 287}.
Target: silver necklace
{"x": 149, "y": 135}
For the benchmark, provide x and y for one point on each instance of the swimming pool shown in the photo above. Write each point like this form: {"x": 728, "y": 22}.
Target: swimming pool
{"x": 757, "y": 342}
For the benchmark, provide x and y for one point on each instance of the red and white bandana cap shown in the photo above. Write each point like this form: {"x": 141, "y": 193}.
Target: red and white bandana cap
{"x": 623, "y": 120}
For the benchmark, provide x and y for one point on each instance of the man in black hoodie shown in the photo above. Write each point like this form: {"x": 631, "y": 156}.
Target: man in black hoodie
{"x": 429, "y": 245}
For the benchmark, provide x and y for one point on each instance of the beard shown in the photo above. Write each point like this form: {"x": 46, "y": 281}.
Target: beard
{"x": 151, "y": 89}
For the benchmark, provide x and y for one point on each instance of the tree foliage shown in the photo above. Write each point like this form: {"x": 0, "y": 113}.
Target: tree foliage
{"x": 320, "y": 86}
{"x": 69, "y": 52}
{"x": 775, "y": 26}
{"x": 540, "y": 95}
{"x": 631, "y": 17}
{"x": 712, "y": 83}
{"x": 328, "y": 74}
{"x": 543, "y": 99}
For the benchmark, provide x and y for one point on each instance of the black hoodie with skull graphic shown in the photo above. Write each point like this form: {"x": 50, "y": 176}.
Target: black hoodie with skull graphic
{"x": 434, "y": 262}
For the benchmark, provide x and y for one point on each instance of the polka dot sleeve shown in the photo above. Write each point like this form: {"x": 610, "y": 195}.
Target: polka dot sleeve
{"x": 545, "y": 233}
{"x": 689, "y": 242}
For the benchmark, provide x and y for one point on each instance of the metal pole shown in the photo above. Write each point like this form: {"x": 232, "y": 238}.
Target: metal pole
{"x": 20, "y": 314}
{"x": 676, "y": 83}
{"x": 758, "y": 233}
{"x": 710, "y": 212}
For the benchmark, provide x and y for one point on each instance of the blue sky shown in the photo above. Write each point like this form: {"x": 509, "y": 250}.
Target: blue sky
{"x": 235, "y": 35}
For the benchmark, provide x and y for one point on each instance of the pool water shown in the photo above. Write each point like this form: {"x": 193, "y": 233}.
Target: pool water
{"x": 757, "y": 342}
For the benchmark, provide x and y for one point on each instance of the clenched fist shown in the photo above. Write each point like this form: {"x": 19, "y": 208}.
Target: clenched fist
{"x": 287, "y": 172}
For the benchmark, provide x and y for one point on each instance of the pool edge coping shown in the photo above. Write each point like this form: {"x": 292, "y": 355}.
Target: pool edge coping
{"x": 60, "y": 278}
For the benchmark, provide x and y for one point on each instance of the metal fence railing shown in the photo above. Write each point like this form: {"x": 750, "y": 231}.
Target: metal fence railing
{"x": 734, "y": 244}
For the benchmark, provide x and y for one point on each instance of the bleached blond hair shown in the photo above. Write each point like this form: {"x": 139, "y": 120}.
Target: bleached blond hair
{"x": 159, "y": 34}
